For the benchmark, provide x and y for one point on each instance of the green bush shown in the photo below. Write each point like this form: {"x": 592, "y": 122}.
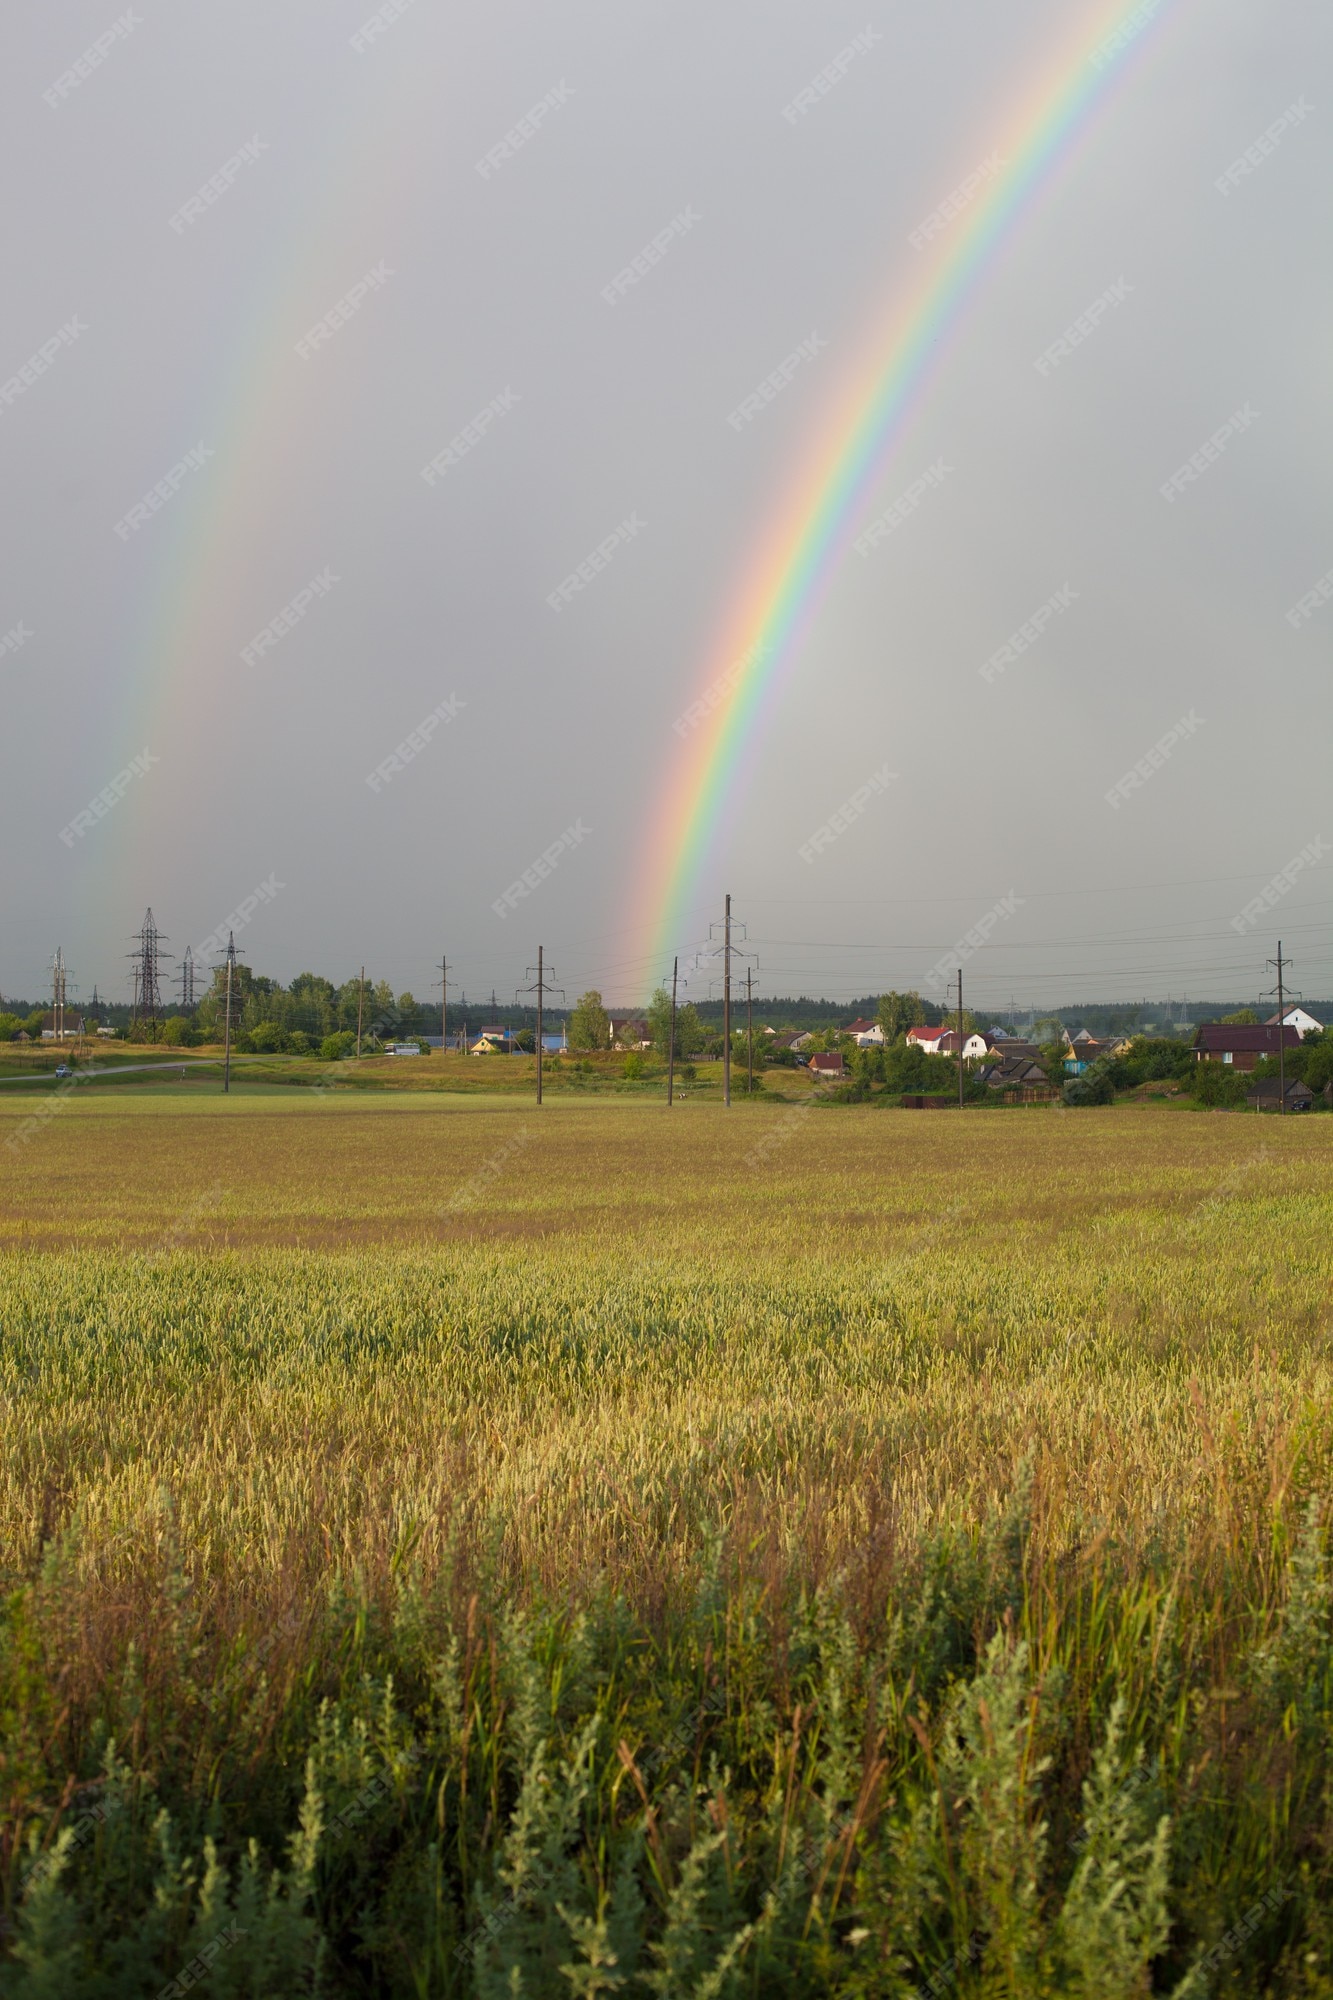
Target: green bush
{"x": 1095, "y": 1086}
{"x": 300, "y": 1044}
{"x": 337, "y": 1048}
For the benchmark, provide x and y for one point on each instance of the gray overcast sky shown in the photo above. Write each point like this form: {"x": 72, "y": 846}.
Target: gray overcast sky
{"x": 183, "y": 327}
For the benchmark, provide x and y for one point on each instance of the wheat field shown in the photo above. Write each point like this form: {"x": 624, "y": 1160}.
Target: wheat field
{"x": 452, "y": 1548}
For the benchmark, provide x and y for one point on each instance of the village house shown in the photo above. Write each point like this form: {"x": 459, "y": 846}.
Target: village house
{"x": 629, "y": 1032}
{"x": 827, "y": 1065}
{"x": 1297, "y": 1018}
{"x": 867, "y": 1034}
{"x": 1267, "y": 1095}
{"x": 1242, "y": 1047}
{"x": 937, "y": 1041}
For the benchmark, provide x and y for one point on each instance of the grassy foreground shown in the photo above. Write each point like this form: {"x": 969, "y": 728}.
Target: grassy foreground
{"x": 452, "y": 1549}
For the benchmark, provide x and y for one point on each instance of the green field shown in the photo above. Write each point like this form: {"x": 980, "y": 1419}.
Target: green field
{"x": 451, "y": 1548}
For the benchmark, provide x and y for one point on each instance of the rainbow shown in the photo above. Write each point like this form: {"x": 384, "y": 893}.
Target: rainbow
{"x": 803, "y": 543}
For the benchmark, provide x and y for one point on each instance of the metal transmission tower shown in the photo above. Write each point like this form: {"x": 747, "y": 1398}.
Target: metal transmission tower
{"x": 1283, "y": 966}
{"x": 148, "y": 958}
{"x": 58, "y": 994}
{"x": 186, "y": 978}
{"x": 541, "y": 986}
{"x": 229, "y": 964}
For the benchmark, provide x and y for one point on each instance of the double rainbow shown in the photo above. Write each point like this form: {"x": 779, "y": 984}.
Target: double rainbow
{"x": 802, "y": 545}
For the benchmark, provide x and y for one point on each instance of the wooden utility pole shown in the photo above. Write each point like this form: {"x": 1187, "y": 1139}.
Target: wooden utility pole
{"x": 726, "y": 1007}
{"x": 444, "y": 1006}
{"x": 749, "y": 1035}
{"x": 226, "y": 1042}
{"x": 671, "y": 1038}
{"x": 360, "y": 1002}
{"x": 960, "y": 1038}
{"x": 539, "y": 1024}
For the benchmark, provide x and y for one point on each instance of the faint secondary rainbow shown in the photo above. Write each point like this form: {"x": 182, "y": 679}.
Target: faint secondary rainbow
{"x": 800, "y": 549}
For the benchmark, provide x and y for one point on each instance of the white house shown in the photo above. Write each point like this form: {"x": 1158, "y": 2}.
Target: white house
{"x": 868, "y": 1034}
{"x": 1297, "y": 1018}
{"x": 930, "y": 1039}
{"x": 975, "y": 1049}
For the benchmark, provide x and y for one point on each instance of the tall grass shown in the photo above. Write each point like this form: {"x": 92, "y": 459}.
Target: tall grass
{"x": 940, "y": 1603}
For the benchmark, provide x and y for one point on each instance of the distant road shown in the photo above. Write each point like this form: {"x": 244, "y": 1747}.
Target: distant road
{"x": 116, "y": 1069}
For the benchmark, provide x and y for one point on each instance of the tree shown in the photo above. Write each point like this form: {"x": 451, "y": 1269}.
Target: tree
{"x": 1244, "y": 1017}
{"x": 659, "y": 1020}
{"x": 690, "y": 1032}
{"x": 897, "y": 1012}
{"x": 588, "y": 1026}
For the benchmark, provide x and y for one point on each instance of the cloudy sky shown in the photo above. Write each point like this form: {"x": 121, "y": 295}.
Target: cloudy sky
{"x": 320, "y": 378}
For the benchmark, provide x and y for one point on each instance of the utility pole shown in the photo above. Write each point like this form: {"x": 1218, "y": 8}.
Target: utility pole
{"x": 1281, "y": 1034}
{"x": 540, "y": 990}
{"x": 444, "y": 1006}
{"x": 960, "y": 1038}
{"x": 726, "y": 1007}
{"x": 360, "y": 1003}
{"x": 671, "y": 1038}
{"x": 749, "y": 1036}
{"x": 226, "y": 1044}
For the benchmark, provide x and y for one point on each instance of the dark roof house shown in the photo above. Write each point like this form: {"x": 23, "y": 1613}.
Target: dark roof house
{"x": 1242, "y": 1047}
{"x": 1266, "y": 1095}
